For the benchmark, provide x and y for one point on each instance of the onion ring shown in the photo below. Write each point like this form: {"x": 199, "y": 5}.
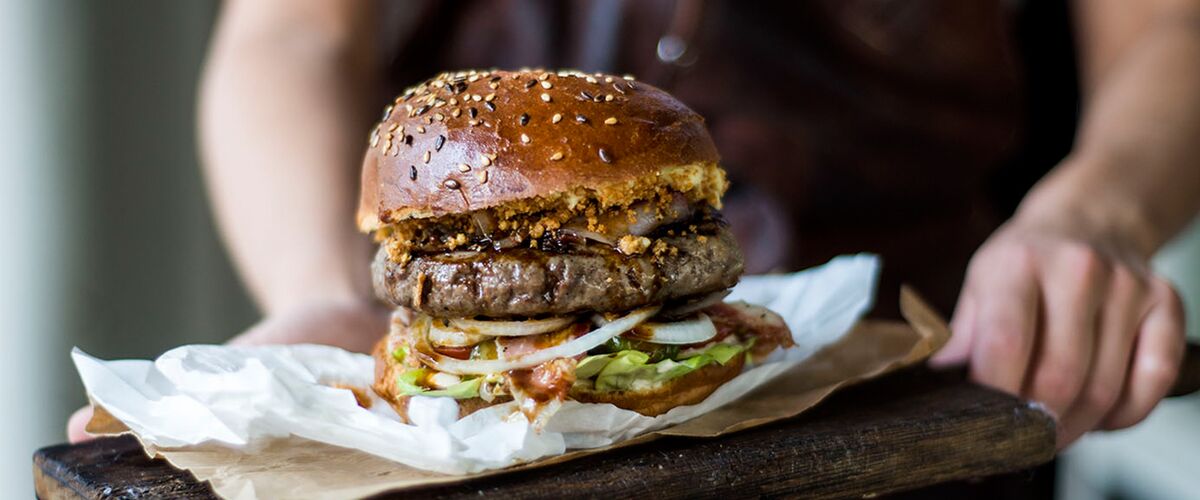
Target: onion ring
{"x": 569, "y": 349}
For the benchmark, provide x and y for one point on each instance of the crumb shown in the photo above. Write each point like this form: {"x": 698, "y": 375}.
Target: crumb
{"x": 633, "y": 245}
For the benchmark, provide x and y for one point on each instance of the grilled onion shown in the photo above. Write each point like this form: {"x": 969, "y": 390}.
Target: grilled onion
{"x": 509, "y": 328}
{"x": 691, "y": 331}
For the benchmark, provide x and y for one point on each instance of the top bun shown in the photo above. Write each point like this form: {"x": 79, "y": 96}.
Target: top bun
{"x": 478, "y": 139}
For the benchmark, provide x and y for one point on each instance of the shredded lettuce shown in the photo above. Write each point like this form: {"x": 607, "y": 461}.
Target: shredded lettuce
{"x": 629, "y": 369}
{"x": 408, "y": 385}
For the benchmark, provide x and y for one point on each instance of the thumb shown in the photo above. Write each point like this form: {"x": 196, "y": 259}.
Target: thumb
{"x": 958, "y": 349}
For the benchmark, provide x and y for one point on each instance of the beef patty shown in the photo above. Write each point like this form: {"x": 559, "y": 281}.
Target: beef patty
{"x": 531, "y": 282}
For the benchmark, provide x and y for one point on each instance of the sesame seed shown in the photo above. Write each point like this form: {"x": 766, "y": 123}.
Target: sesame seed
{"x": 544, "y": 76}
{"x": 556, "y": 118}
{"x": 472, "y": 122}
{"x": 580, "y": 118}
{"x": 590, "y": 79}
{"x": 608, "y": 97}
{"x": 427, "y": 156}
{"x": 482, "y": 175}
{"x": 546, "y": 85}
{"x": 464, "y": 168}
{"x": 455, "y": 112}
{"x": 439, "y": 117}
{"x": 484, "y": 159}
{"x": 375, "y": 138}
{"x": 489, "y": 106}
{"x": 524, "y": 120}
{"x": 608, "y": 79}
{"x": 628, "y": 77}
{"x": 524, "y": 139}
{"x": 473, "y": 78}
{"x": 386, "y": 113}
{"x": 610, "y": 121}
{"x": 393, "y": 127}
{"x": 439, "y": 142}
{"x": 489, "y": 97}
{"x": 412, "y": 172}
{"x": 556, "y": 156}
{"x": 420, "y": 129}
{"x": 453, "y": 101}
{"x": 604, "y": 156}
{"x": 493, "y": 85}
{"x": 450, "y": 184}
{"x": 545, "y": 97}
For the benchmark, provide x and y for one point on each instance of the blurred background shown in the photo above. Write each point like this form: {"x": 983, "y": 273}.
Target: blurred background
{"x": 109, "y": 244}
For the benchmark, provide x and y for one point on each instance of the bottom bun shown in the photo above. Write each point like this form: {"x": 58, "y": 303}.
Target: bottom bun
{"x": 686, "y": 390}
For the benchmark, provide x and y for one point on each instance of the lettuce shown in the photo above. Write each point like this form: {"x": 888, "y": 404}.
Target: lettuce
{"x": 407, "y": 383}
{"x": 400, "y": 354}
{"x": 629, "y": 369}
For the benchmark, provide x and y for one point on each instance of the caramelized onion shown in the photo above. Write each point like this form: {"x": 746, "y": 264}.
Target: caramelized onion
{"x": 646, "y": 218}
{"x": 691, "y": 331}
{"x": 509, "y": 328}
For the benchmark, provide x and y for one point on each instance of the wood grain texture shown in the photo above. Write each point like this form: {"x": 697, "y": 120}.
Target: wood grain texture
{"x": 908, "y": 430}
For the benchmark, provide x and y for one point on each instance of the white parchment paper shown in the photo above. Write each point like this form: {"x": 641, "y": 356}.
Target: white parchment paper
{"x": 243, "y": 397}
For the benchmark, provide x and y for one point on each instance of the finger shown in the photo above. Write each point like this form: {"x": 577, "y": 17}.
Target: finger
{"x": 1071, "y": 289}
{"x": 77, "y": 423}
{"x": 958, "y": 348}
{"x": 1004, "y": 324}
{"x": 1157, "y": 354}
{"x": 1119, "y": 316}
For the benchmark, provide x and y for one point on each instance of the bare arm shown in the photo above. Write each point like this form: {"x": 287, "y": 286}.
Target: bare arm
{"x": 283, "y": 100}
{"x": 1060, "y": 305}
{"x": 1135, "y": 169}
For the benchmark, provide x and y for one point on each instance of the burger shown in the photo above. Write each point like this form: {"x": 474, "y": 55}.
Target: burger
{"x": 552, "y": 236}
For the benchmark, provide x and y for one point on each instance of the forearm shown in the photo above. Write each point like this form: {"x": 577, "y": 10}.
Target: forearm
{"x": 1135, "y": 170}
{"x": 283, "y": 111}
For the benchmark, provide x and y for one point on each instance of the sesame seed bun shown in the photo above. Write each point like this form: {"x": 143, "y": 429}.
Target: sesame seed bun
{"x": 470, "y": 140}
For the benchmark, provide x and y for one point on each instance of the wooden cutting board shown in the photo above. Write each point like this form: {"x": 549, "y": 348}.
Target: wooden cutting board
{"x": 910, "y": 429}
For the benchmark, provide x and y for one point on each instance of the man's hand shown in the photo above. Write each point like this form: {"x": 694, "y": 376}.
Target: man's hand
{"x": 354, "y": 326}
{"x": 1071, "y": 320}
